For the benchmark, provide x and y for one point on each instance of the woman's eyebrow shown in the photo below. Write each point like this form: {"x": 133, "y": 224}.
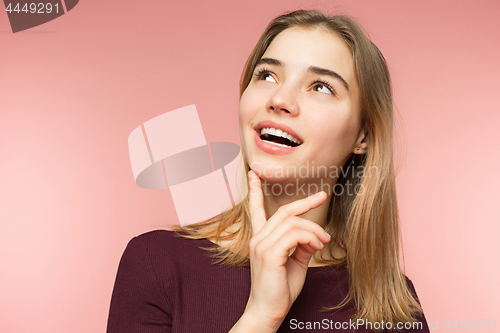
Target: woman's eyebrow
{"x": 324, "y": 71}
{"x": 313, "y": 69}
{"x": 269, "y": 61}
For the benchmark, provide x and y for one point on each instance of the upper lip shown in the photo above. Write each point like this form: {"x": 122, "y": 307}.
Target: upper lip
{"x": 281, "y": 126}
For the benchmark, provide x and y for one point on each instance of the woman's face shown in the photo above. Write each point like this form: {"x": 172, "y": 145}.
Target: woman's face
{"x": 305, "y": 85}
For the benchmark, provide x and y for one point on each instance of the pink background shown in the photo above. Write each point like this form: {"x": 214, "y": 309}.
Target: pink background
{"x": 73, "y": 89}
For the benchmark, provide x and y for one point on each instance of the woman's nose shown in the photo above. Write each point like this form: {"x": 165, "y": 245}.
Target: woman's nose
{"x": 283, "y": 99}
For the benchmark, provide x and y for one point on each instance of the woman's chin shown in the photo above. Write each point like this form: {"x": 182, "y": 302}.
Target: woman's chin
{"x": 275, "y": 180}
{"x": 270, "y": 173}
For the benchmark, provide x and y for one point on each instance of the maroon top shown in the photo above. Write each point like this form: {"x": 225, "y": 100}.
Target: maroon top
{"x": 168, "y": 284}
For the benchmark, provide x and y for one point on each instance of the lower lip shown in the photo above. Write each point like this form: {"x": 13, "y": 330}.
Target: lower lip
{"x": 273, "y": 149}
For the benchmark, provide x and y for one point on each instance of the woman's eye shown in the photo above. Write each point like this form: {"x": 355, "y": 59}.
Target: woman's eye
{"x": 322, "y": 88}
{"x": 265, "y": 75}
{"x": 268, "y": 77}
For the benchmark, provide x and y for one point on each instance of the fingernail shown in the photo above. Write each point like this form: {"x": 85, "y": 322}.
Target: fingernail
{"x": 319, "y": 194}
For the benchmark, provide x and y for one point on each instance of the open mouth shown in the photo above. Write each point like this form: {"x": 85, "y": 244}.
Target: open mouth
{"x": 278, "y": 137}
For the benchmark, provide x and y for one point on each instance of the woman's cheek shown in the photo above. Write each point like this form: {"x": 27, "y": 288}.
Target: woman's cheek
{"x": 246, "y": 108}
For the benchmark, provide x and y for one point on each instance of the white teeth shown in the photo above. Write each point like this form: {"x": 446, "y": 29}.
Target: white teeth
{"x": 277, "y": 144}
{"x": 278, "y": 132}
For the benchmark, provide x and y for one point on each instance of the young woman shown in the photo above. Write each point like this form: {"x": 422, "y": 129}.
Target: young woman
{"x": 315, "y": 243}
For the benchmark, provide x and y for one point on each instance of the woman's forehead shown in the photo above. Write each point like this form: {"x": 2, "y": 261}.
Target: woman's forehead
{"x": 305, "y": 47}
{"x": 299, "y": 48}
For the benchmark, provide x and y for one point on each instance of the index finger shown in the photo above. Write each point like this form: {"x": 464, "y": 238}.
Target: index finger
{"x": 295, "y": 208}
{"x": 256, "y": 202}
{"x": 301, "y": 206}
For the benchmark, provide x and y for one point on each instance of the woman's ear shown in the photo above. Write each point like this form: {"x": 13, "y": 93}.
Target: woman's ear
{"x": 362, "y": 142}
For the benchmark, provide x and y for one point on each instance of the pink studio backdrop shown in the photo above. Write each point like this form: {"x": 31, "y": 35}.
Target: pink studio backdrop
{"x": 73, "y": 89}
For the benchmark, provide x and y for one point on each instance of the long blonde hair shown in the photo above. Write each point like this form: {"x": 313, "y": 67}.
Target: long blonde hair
{"x": 366, "y": 225}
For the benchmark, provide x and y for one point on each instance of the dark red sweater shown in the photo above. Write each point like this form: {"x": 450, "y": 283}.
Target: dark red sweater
{"x": 168, "y": 284}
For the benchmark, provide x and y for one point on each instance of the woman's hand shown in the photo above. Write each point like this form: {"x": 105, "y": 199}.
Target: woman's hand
{"x": 277, "y": 276}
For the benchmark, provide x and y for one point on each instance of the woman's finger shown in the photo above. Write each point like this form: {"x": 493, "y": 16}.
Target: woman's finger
{"x": 280, "y": 251}
{"x": 294, "y": 208}
{"x": 256, "y": 202}
{"x": 294, "y": 222}
{"x": 302, "y": 254}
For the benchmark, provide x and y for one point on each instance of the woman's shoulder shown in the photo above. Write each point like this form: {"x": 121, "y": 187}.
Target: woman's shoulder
{"x": 162, "y": 240}
{"x": 159, "y": 236}
{"x": 410, "y": 285}
{"x": 166, "y": 249}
